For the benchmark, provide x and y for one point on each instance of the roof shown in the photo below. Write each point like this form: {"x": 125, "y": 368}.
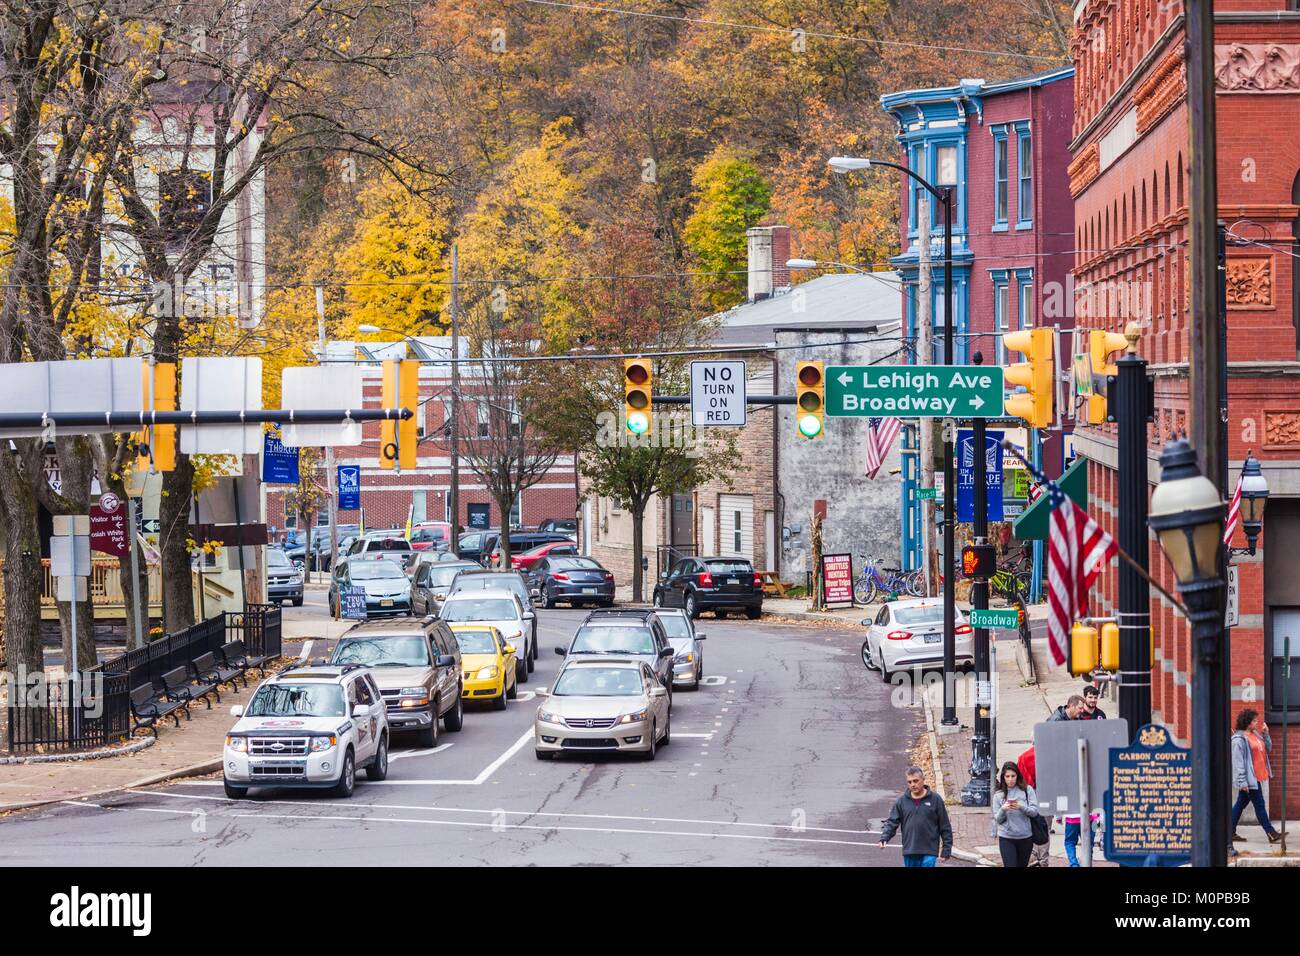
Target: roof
{"x": 841, "y": 301}
{"x": 411, "y": 624}
{"x": 603, "y": 661}
{"x": 480, "y": 595}
{"x": 974, "y": 89}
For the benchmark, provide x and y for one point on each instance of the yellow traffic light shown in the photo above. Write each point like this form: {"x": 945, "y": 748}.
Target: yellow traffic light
{"x": 638, "y": 381}
{"x": 810, "y": 397}
{"x": 1035, "y": 405}
{"x": 1100, "y": 347}
{"x": 1083, "y": 649}
{"x": 158, "y": 384}
{"x": 398, "y": 438}
{"x": 1110, "y": 646}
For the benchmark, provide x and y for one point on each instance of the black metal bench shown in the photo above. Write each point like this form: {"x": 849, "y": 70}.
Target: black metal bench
{"x": 148, "y": 708}
{"x": 236, "y": 655}
{"x": 232, "y": 657}
{"x": 178, "y": 686}
{"x": 205, "y": 667}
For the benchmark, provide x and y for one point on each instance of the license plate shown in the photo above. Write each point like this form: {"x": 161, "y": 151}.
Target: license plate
{"x": 733, "y": 580}
{"x": 386, "y": 603}
{"x": 588, "y": 590}
{"x": 933, "y": 638}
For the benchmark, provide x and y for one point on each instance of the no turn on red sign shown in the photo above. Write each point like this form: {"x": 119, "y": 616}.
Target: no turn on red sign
{"x": 718, "y": 394}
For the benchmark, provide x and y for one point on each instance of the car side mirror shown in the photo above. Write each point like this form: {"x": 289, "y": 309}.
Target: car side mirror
{"x": 561, "y": 651}
{"x": 701, "y": 637}
{"x": 360, "y": 710}
{"x": 867, "y": 622}
{"x": 510, "y": 649}
{"x": 237, "y": 710}
{"x": 660, "y": 691}
{"x": 446, "y": 660}
{"x": 529, "y": 616}
{"x": 666, "y": 652}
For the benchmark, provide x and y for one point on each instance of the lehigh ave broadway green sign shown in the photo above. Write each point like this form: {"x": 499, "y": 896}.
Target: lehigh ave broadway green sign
{"x": 912, "y": 391}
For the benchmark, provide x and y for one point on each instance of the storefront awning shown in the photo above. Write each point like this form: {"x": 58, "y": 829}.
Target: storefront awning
{"x": 1032, "y": 525}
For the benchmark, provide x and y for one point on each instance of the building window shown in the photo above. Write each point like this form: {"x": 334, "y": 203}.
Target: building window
{"x": 1000, "y": 314}
{"x": 484, "y": 420}
{"x": 1000, "y": 174}
{"x": 184, "y": 197}
{"x": 945, "y": 174}
{"x": 517, "y": 511}
{"x": 737, "y": 537}
{"x": 1025, "y": 180}
{"x": 917, "y": 164}
{"x": 1026, "y": 316}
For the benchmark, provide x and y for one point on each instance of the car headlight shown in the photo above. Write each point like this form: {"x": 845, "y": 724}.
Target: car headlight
{"x": 238, "y": 744}
{"x": 296, "y": 578}
{"x": 684, "y": 658}
{"x": 635, "y": 717}
{"x": 413, "y": 692}
{"x": 547, "y": 717}
{"x": 323, "y": 743}
{"x": 487, "y": 673}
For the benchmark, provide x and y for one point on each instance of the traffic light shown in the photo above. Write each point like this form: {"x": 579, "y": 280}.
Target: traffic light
{"x": 1083, "y": 649}
{"x": 1110, "y": 646}
{"x": 158, "y": 385}
{"x": 1037, "y": 376}
{"x": 398, "y": 437}
{"x": 637, "y": 401}
{"x": 1100, "y": 346}
{"x": 979, "y": 561}
{"x": 810, "y": 396}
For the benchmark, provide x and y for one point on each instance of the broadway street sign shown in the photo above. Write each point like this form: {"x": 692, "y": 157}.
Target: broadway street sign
{"x": 911, "y": 391}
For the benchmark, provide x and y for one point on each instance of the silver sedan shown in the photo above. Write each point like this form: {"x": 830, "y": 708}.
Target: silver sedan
{"x": 603, "y": 705}
{"x": 688, "y": 652}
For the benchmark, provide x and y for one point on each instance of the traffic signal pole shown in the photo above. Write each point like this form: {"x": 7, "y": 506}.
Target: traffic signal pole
{"x": 949, "y": 718}
{"x": 1134, "y": 616}
{"x": 978, "y": 791}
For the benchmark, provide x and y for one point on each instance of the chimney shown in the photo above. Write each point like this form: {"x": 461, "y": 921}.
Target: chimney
{"x": 769, "y": 248}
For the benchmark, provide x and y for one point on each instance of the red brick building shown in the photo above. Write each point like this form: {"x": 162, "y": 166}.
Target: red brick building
{"x": 1129, "y": 178}
{"x": 387, "y": 497}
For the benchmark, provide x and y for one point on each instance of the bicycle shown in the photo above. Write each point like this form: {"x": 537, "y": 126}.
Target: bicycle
{"x": 871, "y": 580}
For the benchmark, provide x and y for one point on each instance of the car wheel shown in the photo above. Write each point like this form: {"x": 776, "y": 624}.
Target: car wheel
{"x": 881, "y": 666}
{"x": 347, "y": 776}
{"x": 233, "y": 792}
{"x": 692, "y": 606}
{"x": 668, "y": 730}
{"x": 378, "y": 769}
{"x": 867, "y": 660}
{"x": 531, "y": 656}
{"x": 753, "y": 613}
{"x": 548, "y": 598}
{"x": 297, "y": 602}
{"x": 428, "y": 737}
{"x": 654, "y": 732}
{"x": 521, "y": 670}
{"x": 513, "y": 692}
{"x": 455, "y": 718}
{"x": 499, "y": 702}
{"x": 658, "y": 599}
{"x": 544, "y": 754}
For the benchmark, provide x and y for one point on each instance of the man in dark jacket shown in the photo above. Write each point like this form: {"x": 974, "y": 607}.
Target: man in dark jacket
{"x": 1090, "y": 709}
{"x": 923, "y": 818}
{"x": 1070, "y": 710}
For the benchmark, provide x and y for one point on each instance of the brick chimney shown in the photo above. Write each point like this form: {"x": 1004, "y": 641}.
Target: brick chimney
{"x": 769, "y": 248}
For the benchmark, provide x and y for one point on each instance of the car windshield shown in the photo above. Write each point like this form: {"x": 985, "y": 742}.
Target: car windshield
{"x": 442, "y": 576}
{"x": 598, "y": 682}
{"x": 728, "y": 567}
{"x": 297, "y": 700}
{"x": 375, "y": 570}
{"x": 407, "y": 650}
{"x": 613, "y": 639}
{"x": 388, "y": 544}
{"x": 581, "y": 564}
{"x": 429, "y": 534}
{"x": 486, "y": 582}
{"x": 479, "y": 609}
{"x": 277, "y": 559}
{"x": 476, "y": 642}
{"x": 675, "y": 625}
{"x": 926, "y": 614}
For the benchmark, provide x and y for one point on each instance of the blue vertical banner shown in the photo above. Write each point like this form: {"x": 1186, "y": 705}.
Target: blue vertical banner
{"x": 279, "y": 462}
{"x": 349, "y": 487}
{"x": 966, "y": 474}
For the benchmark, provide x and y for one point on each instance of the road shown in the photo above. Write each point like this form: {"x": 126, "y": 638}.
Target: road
{"x": 790, "y": 755}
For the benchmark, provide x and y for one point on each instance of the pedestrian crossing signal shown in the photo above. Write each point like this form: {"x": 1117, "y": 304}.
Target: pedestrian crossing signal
{"x": 638, "y": 399}
{"x": 1035, "y": 404}
{"x": 157, "y": 443}
{"x": 399, "y": 438}
{"x": 810, "y": 398}
{"x": 1100, "y": 347}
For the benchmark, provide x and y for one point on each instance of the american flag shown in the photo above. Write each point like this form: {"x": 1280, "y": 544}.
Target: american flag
{"x": 1234, "y": 515}
{"x": 1077, "y": 550}
{"x": 880, "y": 438}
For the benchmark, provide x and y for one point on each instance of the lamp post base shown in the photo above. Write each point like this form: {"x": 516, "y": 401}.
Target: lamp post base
{"x": 978, "y": 791}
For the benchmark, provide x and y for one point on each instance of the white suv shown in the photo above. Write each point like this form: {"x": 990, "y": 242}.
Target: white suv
{"x": 308, "y": 727}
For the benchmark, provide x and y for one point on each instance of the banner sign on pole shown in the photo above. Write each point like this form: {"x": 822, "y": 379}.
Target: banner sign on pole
{"x": 349, "y": 487}
{"x": 108, "y": 534}
{"x": 279, "y": 462}
{"x": 966, "y": 474}
{"x": 837, "y": 579}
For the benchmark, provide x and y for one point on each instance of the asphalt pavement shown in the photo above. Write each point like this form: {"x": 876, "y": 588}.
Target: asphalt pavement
{"x": 790, "y": 754}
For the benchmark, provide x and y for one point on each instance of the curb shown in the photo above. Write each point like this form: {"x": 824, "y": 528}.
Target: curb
{"x": 968, "y": 856}
{"x": 134, "y": 747}
{"x": 193, "y": 770}
{"x": 801, "y": 617}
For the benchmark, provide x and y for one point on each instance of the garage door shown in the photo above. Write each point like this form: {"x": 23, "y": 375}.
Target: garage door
{"x": 736, "y": 526}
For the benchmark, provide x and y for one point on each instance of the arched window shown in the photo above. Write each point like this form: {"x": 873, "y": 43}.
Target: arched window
{"x": 1180, "y": 180}
{"x": 1144, "y": 204}
{"x": 1155, "y": 197}
{"x": 1168, "y": 208}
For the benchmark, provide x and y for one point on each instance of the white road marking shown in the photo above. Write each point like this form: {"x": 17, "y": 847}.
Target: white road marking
{"x": 713, "y": 680}
{"x": 525, "y": 696}
{"x": 708, "y": 736}
{"x": 403, "y": 754}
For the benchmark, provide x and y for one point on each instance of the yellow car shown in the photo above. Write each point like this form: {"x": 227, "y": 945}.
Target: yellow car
{"x": 489, "y": 664}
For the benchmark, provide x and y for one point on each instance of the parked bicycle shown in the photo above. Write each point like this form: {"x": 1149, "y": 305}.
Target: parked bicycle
{"x": 873, "y": 581}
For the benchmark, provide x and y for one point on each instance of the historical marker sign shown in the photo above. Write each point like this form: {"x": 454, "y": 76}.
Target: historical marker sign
{"x": 718, "y": 394}
{"x": 1149, "y": 801}
{"x": 910, "y": 391}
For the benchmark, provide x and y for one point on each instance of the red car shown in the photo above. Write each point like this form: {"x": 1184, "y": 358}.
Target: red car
{"x": 525, "y": 561}
{"x": 431, "y": 534}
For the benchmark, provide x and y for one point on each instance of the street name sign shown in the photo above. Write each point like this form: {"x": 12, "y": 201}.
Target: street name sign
{"x": 1007, "y": 618}
{"x": 914, "y": 391}
{"x": 718, "y": 394}
{"x": 927, "y": 494}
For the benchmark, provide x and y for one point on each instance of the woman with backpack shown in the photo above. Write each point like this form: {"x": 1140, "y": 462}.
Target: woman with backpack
{"x": 1014, "y": 808}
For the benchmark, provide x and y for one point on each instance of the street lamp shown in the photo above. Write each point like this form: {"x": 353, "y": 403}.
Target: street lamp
{"x": 1187, "y": 517}
{"x": 849, "y": 164}
{"x": 1254, "y": 496}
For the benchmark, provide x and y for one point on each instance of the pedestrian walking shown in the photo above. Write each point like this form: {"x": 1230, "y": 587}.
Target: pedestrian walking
{"x": 1069, "y": 710}
{"x": 1015, "y": 806}
{"x": 1090, "y": 710}
{"x": 923, "y": 819}
{"x": 1251, "y": 746}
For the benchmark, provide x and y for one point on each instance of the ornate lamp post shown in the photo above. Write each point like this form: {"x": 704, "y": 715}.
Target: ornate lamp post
{"x": 1254, "y": 496}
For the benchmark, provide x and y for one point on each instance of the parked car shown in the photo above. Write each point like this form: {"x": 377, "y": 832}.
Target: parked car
{"x": 909, "y": 634}
{"x": 474, "y": 545}
{"x": 389, "y": 545}
{"x": 388, "y": 589}
{"x": 283, "y": 579}
{"x": 427, "y": 535}
{"x": 573, "y": 580}
{"x": 711, "y": 584}
{"x": 636, "y": 634}
{"x": 604, "y": 705}
{"x": 319, "y": 546}
{"x": 417, "y": 665}
{"x": 481, "y": 579}
{"x": 489, "y": 663}
{"x": 308, "y": 727}
{"x": 567, "y": 526}
{"x": 688, "y": 651}
{"x": 525, "y": 561}
{"x": 498, "y": 607}
{"x": 431, "y": 583}
{"x": 522, "y": 542}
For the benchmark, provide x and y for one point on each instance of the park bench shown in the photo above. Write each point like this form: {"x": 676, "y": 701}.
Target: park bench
{"x": 148, "y": 708}
{"x": 206, "y": 668}
{"x": 178, "y": 686}
{"x": 236, "y": 655}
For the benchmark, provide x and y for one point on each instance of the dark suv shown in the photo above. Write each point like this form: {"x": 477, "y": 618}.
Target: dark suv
{"x": 636, "y": 634}
{"x": 711, "y": 584}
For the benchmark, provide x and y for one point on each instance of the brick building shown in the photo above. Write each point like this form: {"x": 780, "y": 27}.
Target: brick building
{"x": 1129, "y": 178}
{"x": 387, "y": 497}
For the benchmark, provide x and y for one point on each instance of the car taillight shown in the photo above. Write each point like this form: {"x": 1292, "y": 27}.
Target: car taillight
{"x": 899, "y": 635}
{"x": 516, "y": 563}
{"x": 560, "y": 576}
{"x": 608, "y": 576}
{"x": 706, "y": 579}
{"x": 758, "y": 580}
{"x": 964, "y": 629}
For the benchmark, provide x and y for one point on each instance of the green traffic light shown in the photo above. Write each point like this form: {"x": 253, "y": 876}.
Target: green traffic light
{"x": 638, "y": 423}
{"x": 810, "y": 426}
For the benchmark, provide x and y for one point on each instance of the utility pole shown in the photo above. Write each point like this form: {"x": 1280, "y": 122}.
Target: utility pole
{"x": 979, "y": 791}
{"x": 453, "y": 492}
{"x": 949, "y": 718}
{"x": 1210, "y": 784}
{"x": 925, "y": 356}
{"x": 1132, "y": 409}
{"x": 329, "y": 454}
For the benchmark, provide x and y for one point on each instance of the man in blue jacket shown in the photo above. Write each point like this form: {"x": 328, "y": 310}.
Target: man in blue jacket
{"x": 921, "y": 815}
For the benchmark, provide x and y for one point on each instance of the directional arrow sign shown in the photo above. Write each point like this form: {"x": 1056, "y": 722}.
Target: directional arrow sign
{"x": 914, "y": 391}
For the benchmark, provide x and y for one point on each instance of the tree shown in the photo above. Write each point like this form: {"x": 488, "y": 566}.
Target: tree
{"x": 732, "y": 197}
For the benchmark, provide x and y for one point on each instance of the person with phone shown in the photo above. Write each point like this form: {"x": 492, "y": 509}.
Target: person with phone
{"x": 1251, "y": 746}
{"x": 1015, "y": 805}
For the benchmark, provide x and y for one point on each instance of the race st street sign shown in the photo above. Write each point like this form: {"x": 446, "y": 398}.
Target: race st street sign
{"x": 718, "y": 394}
{"x": 914, "y": 391}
